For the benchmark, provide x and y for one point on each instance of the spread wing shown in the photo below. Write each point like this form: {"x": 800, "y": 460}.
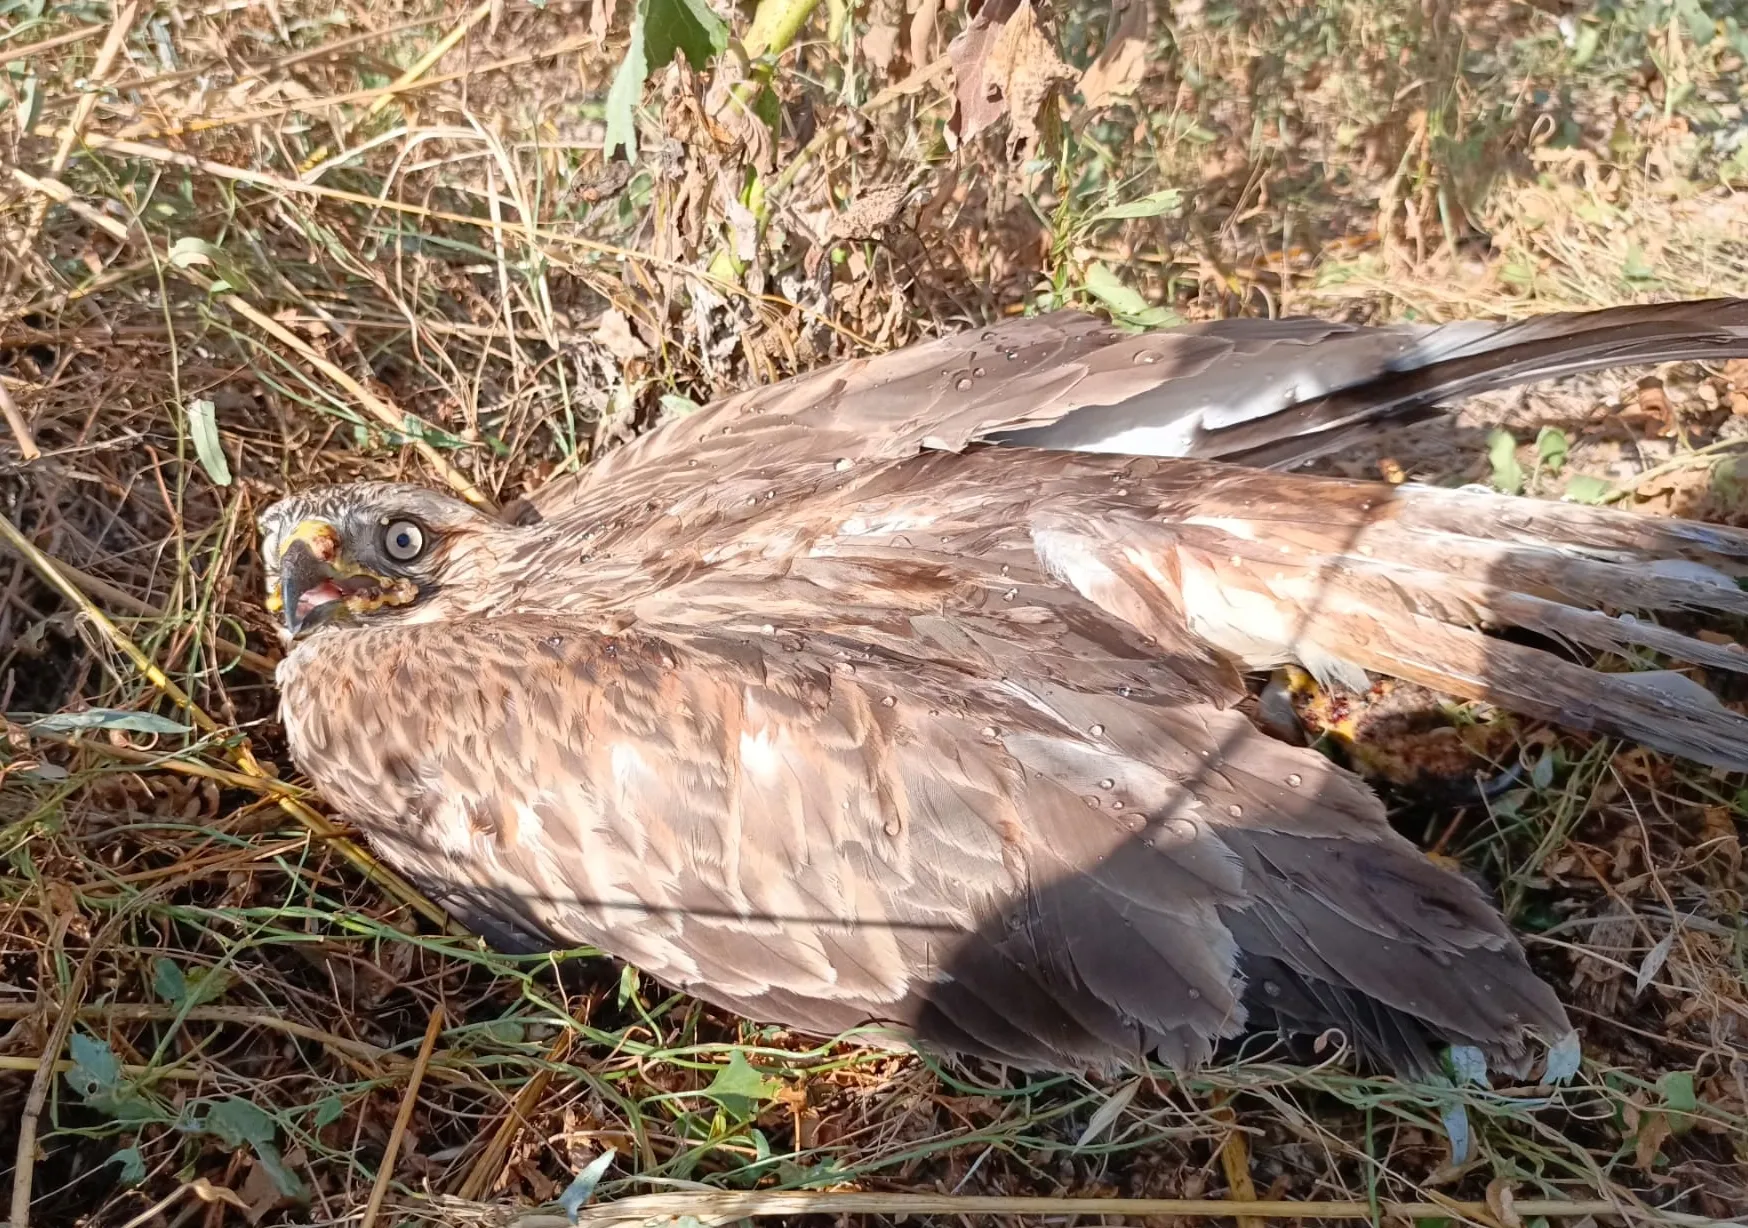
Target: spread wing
{"x": 812, "y": 830}
{"x": 1274, "y": 392}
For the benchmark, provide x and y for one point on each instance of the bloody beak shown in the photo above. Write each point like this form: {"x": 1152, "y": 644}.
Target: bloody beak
{"x": 309, "y": 588}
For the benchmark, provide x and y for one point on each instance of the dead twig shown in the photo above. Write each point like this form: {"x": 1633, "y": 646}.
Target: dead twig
{"x": 24, "y": 1163}
{"x": 725, "y": 1206}
{"x": 385, "y": 1172}
{"x": 112, "y": 45}
{"x": 19, "y": 427}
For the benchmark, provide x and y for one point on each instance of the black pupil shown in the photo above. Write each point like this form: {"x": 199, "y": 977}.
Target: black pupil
{"x": 404, "y": 540}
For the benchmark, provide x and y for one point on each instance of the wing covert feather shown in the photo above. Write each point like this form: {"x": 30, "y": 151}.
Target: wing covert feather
{"x": 1000, "y": 866}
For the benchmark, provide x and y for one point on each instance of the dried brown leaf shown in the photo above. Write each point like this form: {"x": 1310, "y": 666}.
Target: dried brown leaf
{"x": 1121, "y": 63}
{"x": 1503, "y": 1203}
{"x": 607, "y": 182}
{"x": 1654, "y": 402}
{"x": 1003, "y": 64}
{"x": 1654, "y": 1130}
{"x": 880, "y": 45}
{"x": 870, "y": 212}
{"x": 1719, "y": 839}
{"x": 260, "y": 1195}
{"x": 615, "y": 335}
{"x": 732, "y": 123}
{"x": 743, "y": 230}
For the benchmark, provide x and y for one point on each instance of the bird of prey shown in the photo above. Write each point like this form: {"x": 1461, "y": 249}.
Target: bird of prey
{"x": 907, "y": 692}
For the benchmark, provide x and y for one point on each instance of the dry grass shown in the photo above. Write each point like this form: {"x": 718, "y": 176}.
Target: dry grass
{"x": 221, "y": 206}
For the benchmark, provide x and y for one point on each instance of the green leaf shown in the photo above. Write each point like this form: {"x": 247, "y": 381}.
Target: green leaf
{"x": 170, "y": 983}
{"x": 413, "y": 427}
{"x": 203, "y": 426}
{"x": 1109, "y": 289}
{"x": 740, "y": 1088}
{"x": 659, "y": 29}
{"x": 1552, "y": 447}
{"x": 681, "y": 25}
{"x": 1502, "y": 456}
{"x": 582, "y": 1188}
{"x": 29, "y": 104}
{"x": 1124, "y": 302}
{"x": 769, "y": 108}
{"x": 284, "y": 1180}
{"x": 1637, "y": 266}
{"x": 623, "y": 94}
{"x": 1680, "y": 1100}
{"x": 1582, "y": 488}
{"x": 1455, "y": 1119}
{"x": 107, "y": 718}
{"x": 1564, "y": 1056}
{"x": 328, "y": 1111}
{"x": 676, "y": 406}
{"x": 167, "y": 980}
{"x": 207, "y": 984}
{"x": 627, "y": 985}
{"x": 1701, "y": 28}
{"x": 1542, "y": 773}
{"x": 1154, "y": 204}
{"x": 505, "y": 1032}
{"x": 237, "y": 1123}
{"x": 1466, "y": 1064}
{"x": 190, "y": 252}
{"x": 97, "y": 1077}
{"x": 1589, "y": 36}
{"x": 95, "y": 1070}
{"x": 133, "y": 1165}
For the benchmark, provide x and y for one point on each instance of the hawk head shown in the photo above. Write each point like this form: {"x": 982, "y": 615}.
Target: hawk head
{"x": 364, "y": 551}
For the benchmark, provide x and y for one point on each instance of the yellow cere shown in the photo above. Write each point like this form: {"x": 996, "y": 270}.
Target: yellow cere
{"x": 323, "y": 542}
{"x": 320, "y": 536}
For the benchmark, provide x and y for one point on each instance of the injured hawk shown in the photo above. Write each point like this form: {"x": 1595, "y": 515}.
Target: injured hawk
{"x": 906, "y": 691}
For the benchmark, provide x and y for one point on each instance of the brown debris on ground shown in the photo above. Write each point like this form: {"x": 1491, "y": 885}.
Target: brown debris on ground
{"x": 252, "y": 247}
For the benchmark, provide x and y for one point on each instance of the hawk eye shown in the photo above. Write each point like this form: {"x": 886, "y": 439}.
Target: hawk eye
{"x": 403, "y": 541}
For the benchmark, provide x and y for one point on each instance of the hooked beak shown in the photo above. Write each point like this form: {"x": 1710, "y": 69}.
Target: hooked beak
{"x": 316, "y": 582}
{"x": 308, "y": 592}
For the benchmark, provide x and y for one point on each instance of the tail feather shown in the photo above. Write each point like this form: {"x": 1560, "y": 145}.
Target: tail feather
{"x": 1343, "y": 578}
{"x": 1332, "y": 586}
{"x": 1371, "y": 514}
{"x": 1594, "y": 531}
{"x": 1660, "y": 709}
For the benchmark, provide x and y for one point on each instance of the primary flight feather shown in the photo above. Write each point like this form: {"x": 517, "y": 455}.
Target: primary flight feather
{"x": 905, "y": 692}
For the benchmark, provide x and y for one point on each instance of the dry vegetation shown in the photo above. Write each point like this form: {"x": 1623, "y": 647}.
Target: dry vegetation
{"x": 248, "y": 247}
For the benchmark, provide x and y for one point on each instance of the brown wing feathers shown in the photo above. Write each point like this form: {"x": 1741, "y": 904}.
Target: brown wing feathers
{"x": 961, "y": 861}
{"x": 840, "y": 716}
{"x": 1339, "y": 576}
{"x": 1462, "y": 359}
